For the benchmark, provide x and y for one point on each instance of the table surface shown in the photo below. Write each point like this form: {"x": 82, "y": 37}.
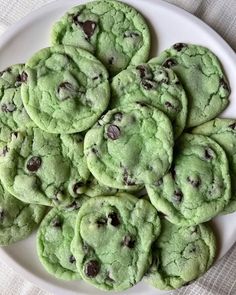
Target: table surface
{"x": 221, "y": 16}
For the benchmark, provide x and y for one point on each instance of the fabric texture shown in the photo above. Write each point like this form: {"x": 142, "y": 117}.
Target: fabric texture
{"x": 219, "y": 14}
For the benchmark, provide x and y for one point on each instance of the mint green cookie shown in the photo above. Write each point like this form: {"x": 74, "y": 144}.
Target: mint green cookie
{"x": 13, "y": 115}
{"x": 113, "y": 31}
{"x": 180, "y": 255}
{"x": 65, "y": 89}
{"x": 17, "y": 219}
{"x": 129, "y": 147}
{"x": 54, "y": 239}
{"x": 223, "y": 131}
{"x": 198, "y": 186}
{"x": 113, "y": 238}
{"x": 43, "y": 168}
{"x": 155, "y": 85}
{"x": 202, "y": 76}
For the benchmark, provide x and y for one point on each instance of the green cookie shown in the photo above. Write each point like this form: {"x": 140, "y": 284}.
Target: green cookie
{"x": 12, "y": 112}
{"x": 180, "y": 255}
{"x": 113, "y": 238}
{"x": 223, "y": 131}
{"x": 113, "y": 31}
{"x": 202, "y": 76}
{"x": 54, "y": 239}
{"x": 155, "y": 85}
{"x": 17, "y": 219}
{"x": 65, "y": 89}
{"x": 130, "y": 146}
{"x": 198, "y": 186}
{"x": 42, "y": 168}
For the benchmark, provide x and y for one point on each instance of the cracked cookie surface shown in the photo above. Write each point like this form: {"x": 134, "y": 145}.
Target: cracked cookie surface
{"x": 54, "y": 238}
{"x": 13, "y": 115}
{"x": 198, "y": 186}
{"x": 129, "y": 146}
{"x": 181, "y": 255}
{"x": 202, "y": 76}
{"x": 42, "y": 168}
{"x": 114, "y": 32}
{"x": 65, "y": 90}
{"x": 155, "y": 85}
{"x": 113, "y": 238}
{"x": 223, "y": 131}
{"x": 17, "y": 219}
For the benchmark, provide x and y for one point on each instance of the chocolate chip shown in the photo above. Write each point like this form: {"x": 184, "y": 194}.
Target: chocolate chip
{"x": 118, "y": 116}
{"x": 128, "y": 242}
{"x": 126, "y": 178}
{"x": 73, "y": 206}
{"x": 34, "y": 163}
{"x": 113, "y": 219}
{"x": 113, "y": 132}
{"x": 208, "y": 154}
{"x": 232, "y": 126}
{"x": 142, "y": 71}
{"x": 94, "y": 151}
{"x": 92, "y": 268}
{"x": 177, "y": 197}
{"x": 169, "y": 63}
{"x": 111, "y": 60}
{"x": 24, "y": 77}
{"x": 194, "y": 182}
{"x": 78, "y": 188}
{"x": 101, "y": 221}
{"x": 148, "y": 84}
{"x": 2, "y": 214}
{"x": 72, "y": 259}
{"x": 129, "y": 34}
{"x": 4, "y": 151}
{"x": 179, "y": 46}
{"x": 66, "y": 85}
{"x": 56, "y": 222}
{"x": 224, "y": 84}
{"x": 88, "y": 27}
{"x": 193, "y": 249}
{"x": 168, "y": 104}
{"x": 8, "y": 108}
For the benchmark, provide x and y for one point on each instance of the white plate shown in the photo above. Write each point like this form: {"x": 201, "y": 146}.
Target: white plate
{"x": 171, "y": 25}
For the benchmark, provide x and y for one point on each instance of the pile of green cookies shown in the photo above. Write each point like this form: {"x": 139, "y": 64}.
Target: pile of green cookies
{"x": 94, "y": 143}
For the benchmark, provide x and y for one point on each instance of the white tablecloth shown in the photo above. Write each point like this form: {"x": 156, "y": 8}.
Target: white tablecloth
{"x": 221, "y": 15}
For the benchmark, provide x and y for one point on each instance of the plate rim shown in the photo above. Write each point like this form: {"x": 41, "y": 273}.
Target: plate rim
{"x": 17, "y": 26}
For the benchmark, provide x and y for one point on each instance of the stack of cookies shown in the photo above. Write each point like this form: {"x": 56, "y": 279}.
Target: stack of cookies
{"x": 120, "y": 161}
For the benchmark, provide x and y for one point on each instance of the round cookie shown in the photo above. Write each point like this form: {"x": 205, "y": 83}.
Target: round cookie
{"x": 54, "y": 238}
{"x": 223, "y": 131}
{"x": 181, "y": 255}
{"x": 198, "y": 186}
{"x": 65, "y": 89}
{"x": 155, "y": 85}
{"x": 13, "y": 115}
{"x": 202, "y": 76}
{"x": 42, "y": 168}
{"x": 129, "y": 146}
{"x": 113, "y": 238}
{"x": 17, "y": 219}
{"x": 113, "y": 31}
